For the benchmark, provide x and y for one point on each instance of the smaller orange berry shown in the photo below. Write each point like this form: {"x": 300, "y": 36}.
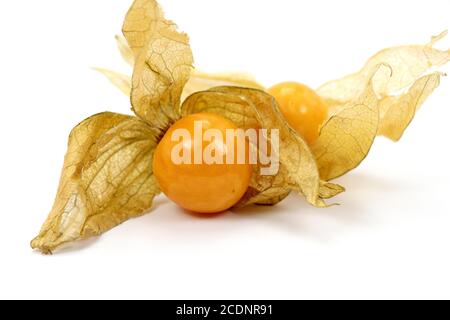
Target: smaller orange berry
{"x": 302, "y": 107}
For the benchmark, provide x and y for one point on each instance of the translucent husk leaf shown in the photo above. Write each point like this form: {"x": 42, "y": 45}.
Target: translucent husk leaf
{"x": 125, "y": 50}
{"x": 407, "y": 64}
{"x": 121, "y": 81}
{"x": 346, "y": 138}
{"x": 250, "y": 108}
{"x": 163, "y": 63}
{"x": 107, "y": 179}
{"x": 141, "y": 23}
{"x": 328, "y": 190}
{"x": 397, "y": 112}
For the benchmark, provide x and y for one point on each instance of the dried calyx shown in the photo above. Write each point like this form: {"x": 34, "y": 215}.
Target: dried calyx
{"x": 107, "y": 177}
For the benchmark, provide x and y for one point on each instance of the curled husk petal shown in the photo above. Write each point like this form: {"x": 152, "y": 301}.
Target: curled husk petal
{"x": 397, "y": 112}
{"x": 328, "y": 190}
{"x": 125, "y": 50}
{"x": 106, "y": 179}
{"x": 397, "y": 79}
{"x": 346, "y": 138}
{"x": 407, "y": 64}
{"x": 163, "y": 63}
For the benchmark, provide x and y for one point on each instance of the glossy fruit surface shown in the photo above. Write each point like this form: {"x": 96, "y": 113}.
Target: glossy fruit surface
{"x": 304, "y": 110}
{"x": 194, "y": 183}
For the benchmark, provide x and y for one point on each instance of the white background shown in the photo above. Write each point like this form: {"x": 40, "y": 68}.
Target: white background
{"x": 389, "y": 239}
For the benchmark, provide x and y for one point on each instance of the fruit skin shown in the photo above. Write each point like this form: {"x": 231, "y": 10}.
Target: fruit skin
{"x": 202, "y": 188}
{"x": 303, "y": 109}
